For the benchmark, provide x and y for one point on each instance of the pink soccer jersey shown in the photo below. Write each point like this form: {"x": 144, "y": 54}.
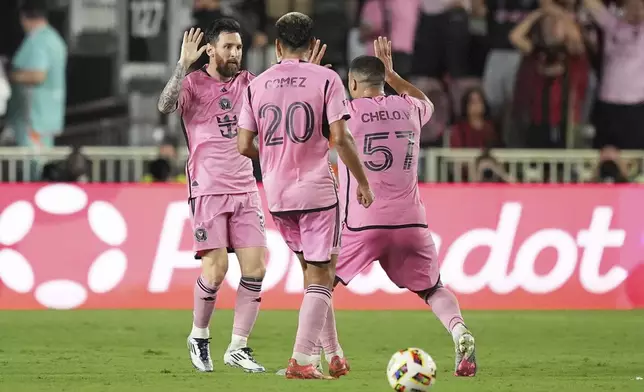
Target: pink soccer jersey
{"x": 209, "y": 113}
{"x": 287, "y": 105}
{"x": 387, "y": 135}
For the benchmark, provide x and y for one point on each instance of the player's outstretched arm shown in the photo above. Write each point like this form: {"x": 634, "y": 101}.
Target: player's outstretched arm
{"x": 190, "y": 52}
{"x": 346, "y": 148}
{"x": 245, "y": 144}
{"x": 382, "y": 48}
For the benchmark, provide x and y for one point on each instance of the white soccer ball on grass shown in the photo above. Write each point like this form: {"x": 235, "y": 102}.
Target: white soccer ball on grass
{"x": 411, "y": 370}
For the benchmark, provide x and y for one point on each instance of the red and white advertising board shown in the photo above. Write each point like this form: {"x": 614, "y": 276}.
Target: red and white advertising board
{"x": 106, "y": 246}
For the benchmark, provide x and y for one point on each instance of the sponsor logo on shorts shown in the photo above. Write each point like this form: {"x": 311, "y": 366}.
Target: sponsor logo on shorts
{"x": 201, "y": 235}
{"x": 225, "y": 104}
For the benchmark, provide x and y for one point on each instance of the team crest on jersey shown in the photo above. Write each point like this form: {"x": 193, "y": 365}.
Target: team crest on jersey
{"x": 227, "y": 126}
{"x": 225, "y": 104}
{"x": 201, "y": 235}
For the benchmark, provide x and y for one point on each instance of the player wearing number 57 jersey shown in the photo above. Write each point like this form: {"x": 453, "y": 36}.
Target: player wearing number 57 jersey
{"x": 224, "y": 204}
{"x": 286, "y": 107}
{"x": 394, "y": 231}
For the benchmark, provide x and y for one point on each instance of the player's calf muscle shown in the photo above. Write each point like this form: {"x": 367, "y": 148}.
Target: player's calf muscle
{"x": 214, "y": 266}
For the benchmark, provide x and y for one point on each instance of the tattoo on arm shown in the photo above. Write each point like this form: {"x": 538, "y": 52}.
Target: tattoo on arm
{"x": 170, "y": 94}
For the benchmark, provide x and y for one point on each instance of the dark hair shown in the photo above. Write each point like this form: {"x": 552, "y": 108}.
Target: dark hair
{"x": 160, "y": 170}
{"x": 221, "y": 25}
{"x": 33, "y": 8}
{"x": 295, "y": 31}
{"x": 465, "y": 100}
{"x": 370, "y": 68}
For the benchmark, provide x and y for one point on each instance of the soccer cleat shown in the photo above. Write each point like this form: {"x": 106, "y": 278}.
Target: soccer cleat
{"x": 318, "y": 366}
{"x": 465, "y": 356}
{"x": 243, "y": 358}
{"x": 295, "y": 371}
{"x": 338, "y": 367}
{"x": 200, "y": 354}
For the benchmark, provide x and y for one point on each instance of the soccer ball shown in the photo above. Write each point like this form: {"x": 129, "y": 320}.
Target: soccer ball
{"x": 411, "y": 370}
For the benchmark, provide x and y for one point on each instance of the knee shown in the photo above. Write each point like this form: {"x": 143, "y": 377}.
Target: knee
{"x": 427, "y": 293}
{"x": 320, "y": 274}
{"x": 251, "y": 262}
{"x": 214, "y": 266}
{"x": 257, "y": 271}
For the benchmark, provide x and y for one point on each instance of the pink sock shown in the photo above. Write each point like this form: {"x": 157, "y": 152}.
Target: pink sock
{"x": 317, "y": 350}
{"x": 313, "y": 313}
{"x": 445, "y": 306}
{"x": 205, "y": 297}
{"x": 329, "y": 336}
{"x": 246, "y": 306}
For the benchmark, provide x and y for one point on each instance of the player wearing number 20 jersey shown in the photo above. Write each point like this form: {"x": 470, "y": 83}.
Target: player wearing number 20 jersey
{"x": 287, "y": 106}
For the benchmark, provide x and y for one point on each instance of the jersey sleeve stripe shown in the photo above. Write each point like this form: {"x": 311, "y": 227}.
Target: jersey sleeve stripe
{"x": 250, "y": 98}
{"x": 326, "y": 131}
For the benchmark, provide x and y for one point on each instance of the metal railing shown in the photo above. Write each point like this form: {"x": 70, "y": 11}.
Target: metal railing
{"x": 129, "y": 164}
{"x": 550, "y": 166}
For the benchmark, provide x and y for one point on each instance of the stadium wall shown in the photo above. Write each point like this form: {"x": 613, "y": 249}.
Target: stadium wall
{"x": 66, "y": 246}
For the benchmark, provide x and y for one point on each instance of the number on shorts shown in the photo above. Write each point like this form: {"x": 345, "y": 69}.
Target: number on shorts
{"x": 369, "y": 150}
{"x": 270, "y": 139}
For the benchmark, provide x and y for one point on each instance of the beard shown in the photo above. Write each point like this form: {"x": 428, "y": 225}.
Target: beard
{"x": 227, "y": 69}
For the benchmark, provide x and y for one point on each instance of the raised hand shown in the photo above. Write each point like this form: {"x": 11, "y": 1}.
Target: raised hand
{"x": 382, "y": 49}
{"x": 317, "y": 53}
{"x": 190, "y": 50}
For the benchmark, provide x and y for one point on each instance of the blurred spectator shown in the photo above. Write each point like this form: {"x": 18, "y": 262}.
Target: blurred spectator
{"x": 441, "y": 52}
{"x": 5, "y": 93}
{"x": 474, "y": 130}
{"x": 166, "y": 167}
{"x": 619, "y": 112}
{"x": 333, "y": 13}
{"x": 554, "y": 71}
{"x": 36, "y": 110}
{"x": 76, "y": 167}
{"x": 611, "y": 168}
{"x": 488, "y": 169}
{"x": 503, "y": 59}
{"x": 396, "y": 19}
{"x": 159, "y": 171}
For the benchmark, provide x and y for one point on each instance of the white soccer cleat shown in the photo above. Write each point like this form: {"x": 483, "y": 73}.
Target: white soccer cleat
{"x": 465, "y": 356}
{"x": 200, "y": 354}
{"x": 243, "y": 358}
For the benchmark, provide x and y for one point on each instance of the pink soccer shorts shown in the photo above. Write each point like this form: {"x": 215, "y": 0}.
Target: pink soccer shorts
{"x": 407, "y": 255}
{"x": 316, "y": 235}
{"x": 227, "y": 221}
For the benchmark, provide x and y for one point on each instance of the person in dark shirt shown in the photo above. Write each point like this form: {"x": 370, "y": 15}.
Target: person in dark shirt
{"x": 503, "y": 59}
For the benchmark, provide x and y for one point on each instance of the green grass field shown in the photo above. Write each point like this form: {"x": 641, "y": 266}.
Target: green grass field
{"x": 145, "y": 351}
